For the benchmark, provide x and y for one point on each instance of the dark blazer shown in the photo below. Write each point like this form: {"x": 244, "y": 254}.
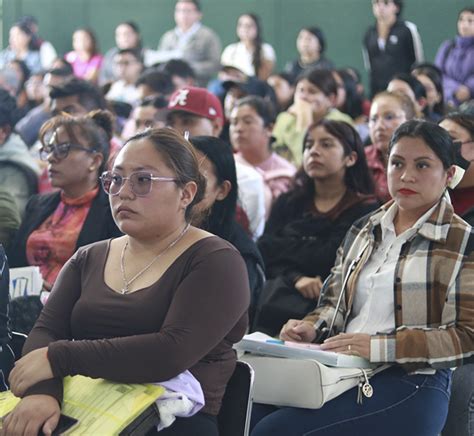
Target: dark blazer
{"x": 98, "y": 225}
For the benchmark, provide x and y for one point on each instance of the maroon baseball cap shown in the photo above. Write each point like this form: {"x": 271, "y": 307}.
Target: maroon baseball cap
{"x": 198, "y": 101}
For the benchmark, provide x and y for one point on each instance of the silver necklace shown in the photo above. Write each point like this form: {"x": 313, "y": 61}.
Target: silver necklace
{"x": 127, "y": 283}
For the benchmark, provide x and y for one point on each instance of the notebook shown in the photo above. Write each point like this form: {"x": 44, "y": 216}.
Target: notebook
{"x": 260, "y": 343}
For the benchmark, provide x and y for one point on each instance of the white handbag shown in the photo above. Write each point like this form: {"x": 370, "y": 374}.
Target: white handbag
{"x": 303, "y": 382}
{"x": 308, "y": 383}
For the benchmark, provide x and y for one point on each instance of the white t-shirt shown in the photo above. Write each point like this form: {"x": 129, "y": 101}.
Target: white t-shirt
{"x": 238, "y": 56}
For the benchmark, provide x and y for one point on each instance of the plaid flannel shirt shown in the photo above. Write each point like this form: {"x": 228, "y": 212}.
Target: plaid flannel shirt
{"x": 433, "y": 291}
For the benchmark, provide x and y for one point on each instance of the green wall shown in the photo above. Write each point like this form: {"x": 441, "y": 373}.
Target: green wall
{"x": 343, "y": 21}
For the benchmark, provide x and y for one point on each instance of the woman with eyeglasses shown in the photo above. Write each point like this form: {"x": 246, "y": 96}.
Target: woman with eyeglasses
{"x": 55, "y": 225}
{"x": 401, "y": 294}
{"x": 388, "y": 111}
{"x": 164, "y": 298}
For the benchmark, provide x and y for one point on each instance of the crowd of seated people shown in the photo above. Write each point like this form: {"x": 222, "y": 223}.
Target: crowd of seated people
{"x": 142, "y": 177}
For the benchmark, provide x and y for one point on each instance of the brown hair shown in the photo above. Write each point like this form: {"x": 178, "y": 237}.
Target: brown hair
{"x": 94, "y": 130}
{"x": 406, "y": 104}
{"x": 180, "y": 156}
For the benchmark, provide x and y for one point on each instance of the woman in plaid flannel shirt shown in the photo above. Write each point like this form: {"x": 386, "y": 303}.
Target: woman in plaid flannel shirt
{"x": 409, "y": 302}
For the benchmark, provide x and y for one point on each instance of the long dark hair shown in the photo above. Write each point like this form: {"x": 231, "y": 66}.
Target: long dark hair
{"x": 257, "y": 42}
{"x": 357, "y": 178}
{"x": 222, "y": 214}
{"x": 436, "y": 76}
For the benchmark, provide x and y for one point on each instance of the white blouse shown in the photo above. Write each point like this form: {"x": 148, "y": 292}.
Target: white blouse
{"x": 372, "y": 309}
{"x": 238, "y": 56}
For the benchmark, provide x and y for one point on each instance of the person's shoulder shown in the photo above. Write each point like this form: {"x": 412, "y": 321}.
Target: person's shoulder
{"x": 210, "y": 244}
{"x": 207, "y": 31}
{"x": 94, "y": 250}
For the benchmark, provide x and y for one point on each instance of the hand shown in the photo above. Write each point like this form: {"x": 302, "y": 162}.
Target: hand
{"x": 355, "y": 344}
{"x": 297, "y": 330}
{"x": 303, "y": 111}
{"x": 309, "y": 287}
{"x": 463, "y": 93}
{"x": 32, "y": 414}
{"x": 29, "y": 370}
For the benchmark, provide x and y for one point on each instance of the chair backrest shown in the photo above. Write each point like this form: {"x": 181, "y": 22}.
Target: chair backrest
{"x": 234, "y": 416}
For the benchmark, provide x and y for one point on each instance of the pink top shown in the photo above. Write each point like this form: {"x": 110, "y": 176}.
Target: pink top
{"x": 84, "y": 69}
{"x": 277, "y": 174}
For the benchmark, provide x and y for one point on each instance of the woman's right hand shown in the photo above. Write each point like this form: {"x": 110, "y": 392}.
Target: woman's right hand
{"x": 32, "y": 413}
{"x": 299, "y": 331}
{"x": 303, "y": 111}
{"x": 309, "y": 287}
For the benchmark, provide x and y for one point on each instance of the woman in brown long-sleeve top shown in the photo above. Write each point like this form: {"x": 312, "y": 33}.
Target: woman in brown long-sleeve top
{"x": 143, "y": 307}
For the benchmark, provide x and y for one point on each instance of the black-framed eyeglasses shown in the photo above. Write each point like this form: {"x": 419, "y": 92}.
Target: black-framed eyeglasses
{"x": 61, "y": 151}
{"x": 140, "y": 182}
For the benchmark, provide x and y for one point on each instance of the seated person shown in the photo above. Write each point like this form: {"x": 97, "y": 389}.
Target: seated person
{"x": 217, "y": 210}
{"x": 307, "y": 224}
{"x": 199, "y": 112}
{"x": 388, "y": 111}
{"x": 315, "y": 98}
{"x": 251, "y": 124}
{"x": 143, "y": 307}
{"x": 57, "y": 224}
{"x": 460, "y": 127}
{"x": 410, "y": 86}
{"x": 128, "y": 65}
{"x": 18, "y": 170}
{"x": 409, "y": 302}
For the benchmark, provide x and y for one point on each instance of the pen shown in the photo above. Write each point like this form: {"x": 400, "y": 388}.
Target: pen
{"x": 275, "y": 341}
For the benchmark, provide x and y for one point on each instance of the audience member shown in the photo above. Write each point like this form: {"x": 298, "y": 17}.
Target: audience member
{"x": 407, "y": 303}
{"x": 311, "y": 45}
{"x": 150, "y": 113}
{"x": 315, "y": 98}
{"x": 308, "y": 223}
{"x": 431, "y": 78}
{"x": 128, "y": 66}
{"x": 18, "y": 170}
{"x": 57, "y": 224}
{"x": 251, "y": 124}
{"x": 216, "y": 212}
{"x": 121, "y": 316}
{"x": 460, "y": 127}
{"x": 29, "y": 126}
{"x": 127, "y": 37}
{"x": 388, "y": 111}
{"x": 284, "y": 90}
{"x": 455, "y": 58}
{"x": 85, "y": 57}
{"x": 182, "y": 74}
{"x": 21, "y": 46}
{"x": 46, "y": 50}
{"x": 191, "y": 41}
{"x": 199, "y": 112}
{"x": 7, "y": 358}
{"x": 410, "y": 86}
{"x": 250, "y": 54}
{"x": 390, "y": 46}
{"x": 154, "y": 83}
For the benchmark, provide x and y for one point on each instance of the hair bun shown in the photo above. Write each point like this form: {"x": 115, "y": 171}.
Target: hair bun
{"x": 103, "y": 119}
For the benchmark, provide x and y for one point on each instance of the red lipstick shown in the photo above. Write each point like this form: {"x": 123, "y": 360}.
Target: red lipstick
{"x": 406, "y": 191}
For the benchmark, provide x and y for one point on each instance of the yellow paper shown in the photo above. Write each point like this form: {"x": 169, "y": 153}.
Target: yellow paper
{"x": 102, "y": 407}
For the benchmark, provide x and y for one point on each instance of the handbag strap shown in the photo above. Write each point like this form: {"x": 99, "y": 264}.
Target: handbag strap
{"x": 352, "y": 267}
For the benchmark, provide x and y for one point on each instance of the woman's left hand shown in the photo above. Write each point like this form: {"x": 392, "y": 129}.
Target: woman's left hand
{"x": 29, "y": 370}
{"x": 355, "y": 344}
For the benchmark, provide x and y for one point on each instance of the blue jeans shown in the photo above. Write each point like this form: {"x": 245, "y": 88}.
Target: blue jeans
{"x": 402, "y": 404}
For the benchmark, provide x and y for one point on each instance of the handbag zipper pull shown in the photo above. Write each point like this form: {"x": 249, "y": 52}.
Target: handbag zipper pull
{"x": 367, "y": 389}
{"x": 359, "y": 392}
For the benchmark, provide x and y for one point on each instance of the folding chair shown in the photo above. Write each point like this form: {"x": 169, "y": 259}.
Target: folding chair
{"x": 234, "y": 416}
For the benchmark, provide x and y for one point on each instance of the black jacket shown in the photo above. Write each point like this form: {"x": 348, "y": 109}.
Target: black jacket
{"x": 99, "y": 224}
{"x": 297, "y": 243}
{"x": 402, "y": 50}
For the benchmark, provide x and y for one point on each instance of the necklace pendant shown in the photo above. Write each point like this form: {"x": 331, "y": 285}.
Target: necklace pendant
{"x": 125, "y": 290}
